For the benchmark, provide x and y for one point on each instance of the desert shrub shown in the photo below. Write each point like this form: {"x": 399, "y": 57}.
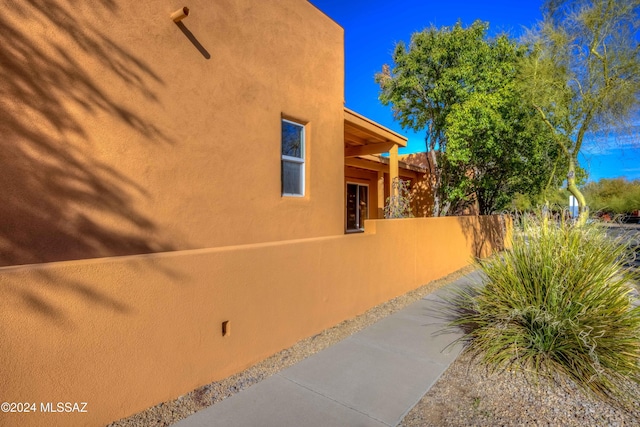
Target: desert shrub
{"x": 557, "y": 305}
{"x": 399, "y": 206}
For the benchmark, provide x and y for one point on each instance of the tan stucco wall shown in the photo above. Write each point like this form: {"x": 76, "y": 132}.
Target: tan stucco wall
{"x": 123, "y": 133}
{"x": 421, "y": 196}
{"x": 126, "y": 333}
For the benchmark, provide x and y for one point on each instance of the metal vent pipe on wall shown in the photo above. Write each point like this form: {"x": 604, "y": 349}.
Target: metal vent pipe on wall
{"x": 180, "y": 14}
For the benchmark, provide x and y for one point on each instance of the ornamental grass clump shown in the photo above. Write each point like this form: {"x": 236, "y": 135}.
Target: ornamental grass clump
{"x": 558, "y": 305}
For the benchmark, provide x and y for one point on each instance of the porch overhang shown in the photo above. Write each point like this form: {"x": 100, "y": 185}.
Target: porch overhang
{"x": 364, "y": 137}
{"x": 381, "y": 164}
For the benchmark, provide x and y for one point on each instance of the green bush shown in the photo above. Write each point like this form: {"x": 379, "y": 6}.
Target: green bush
{"x": 557, "y": 305}
{"x": 617, "y": 195}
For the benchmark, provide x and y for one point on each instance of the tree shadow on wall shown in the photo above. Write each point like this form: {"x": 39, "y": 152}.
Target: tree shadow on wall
{"x": 422, "y": 197}
{"x": 484, "y": 234}
{"x": 53, "y": 188}
{"x": 50, "y": 182}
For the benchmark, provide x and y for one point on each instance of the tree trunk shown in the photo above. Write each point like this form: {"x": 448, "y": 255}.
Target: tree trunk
{"x": 435, "y": 178}
{"x": 583, "y": 210}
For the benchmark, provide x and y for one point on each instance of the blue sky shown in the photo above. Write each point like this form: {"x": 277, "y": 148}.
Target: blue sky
{"x": 373, "y": 27}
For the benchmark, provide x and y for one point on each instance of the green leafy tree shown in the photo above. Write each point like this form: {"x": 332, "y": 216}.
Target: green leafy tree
{"x": 583, "y": 74}
{"x": 458, "y": 86}
{"x": 499, "y": 149}
{"x": 555, "y": 198}
{"x": 552, "y": 196}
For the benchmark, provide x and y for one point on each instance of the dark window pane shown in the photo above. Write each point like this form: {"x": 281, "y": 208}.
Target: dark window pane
{"x": 292, "y": 139}
{"x": 357, "y": 206}
{"x": 291, "y": 178}
{"x": 352, "y": 207}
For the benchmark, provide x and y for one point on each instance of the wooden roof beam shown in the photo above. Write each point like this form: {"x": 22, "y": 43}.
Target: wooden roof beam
{"x": 380, "y": 147}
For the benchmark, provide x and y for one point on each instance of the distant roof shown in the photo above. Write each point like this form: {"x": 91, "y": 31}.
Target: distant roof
{"x": 416, "y": 159}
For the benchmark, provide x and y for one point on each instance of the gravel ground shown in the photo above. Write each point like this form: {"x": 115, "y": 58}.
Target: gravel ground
{"x": 467, "y": 395}
{"x": 630, "y": 232}
{"x": 173, "y": 411}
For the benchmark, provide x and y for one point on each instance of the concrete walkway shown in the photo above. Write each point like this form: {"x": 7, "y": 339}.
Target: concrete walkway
{"x": 372, "y": 378}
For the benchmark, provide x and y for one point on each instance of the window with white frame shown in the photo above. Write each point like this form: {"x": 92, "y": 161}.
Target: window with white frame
{"x": 292, "y": 158}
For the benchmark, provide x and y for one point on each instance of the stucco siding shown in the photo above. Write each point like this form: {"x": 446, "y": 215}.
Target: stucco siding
{"x": 126, "y": 133}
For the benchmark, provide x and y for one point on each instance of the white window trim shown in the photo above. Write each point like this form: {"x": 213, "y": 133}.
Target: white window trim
{"x": 299, "y": 160}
